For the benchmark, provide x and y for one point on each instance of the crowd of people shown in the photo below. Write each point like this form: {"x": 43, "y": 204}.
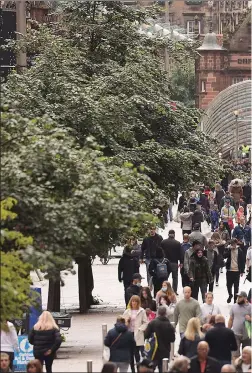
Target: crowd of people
{"x": 152, "y": 313}
{"x": 145, "y": 333}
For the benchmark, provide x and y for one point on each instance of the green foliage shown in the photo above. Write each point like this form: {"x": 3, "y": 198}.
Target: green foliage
{"x": 183, "y": 83}
{"x": 15, "y": 274}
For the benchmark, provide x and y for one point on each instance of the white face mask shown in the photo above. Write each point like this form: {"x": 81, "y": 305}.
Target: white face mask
{"x": 164, "y": 289}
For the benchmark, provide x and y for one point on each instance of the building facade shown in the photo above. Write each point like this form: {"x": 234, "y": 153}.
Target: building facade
{"x": 219, "y": 67}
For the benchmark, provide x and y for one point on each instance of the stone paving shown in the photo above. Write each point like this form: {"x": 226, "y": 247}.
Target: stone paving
{"x": 84, "y": 338}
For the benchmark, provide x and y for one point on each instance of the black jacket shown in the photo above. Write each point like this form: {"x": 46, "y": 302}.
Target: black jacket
{"x": 221, "y": 342}
{"x": 241, "y": 259}
{"x": 153, "y": 268}
{"x": 125, "y": 344}
{"x": 132, "y": 290}
{"x": 218, "y": 196}
{"x": 212, "y": 365}
{"x": 165, "y": 333}
{"x": 188, "y": 348}
{"x": 172, "y": 250}
{"x": 215, "y": 261}
{"x": 128, "y": 265}
{"x": 149, "y": 246}
{"x": 182, "y": 200}
{"x": 149, "y": 303}
{"x": 197, "y": 217}
{"x": 44, "y": 340}
{"x": 204, "y": 202}
{"x": 199, "y": 269}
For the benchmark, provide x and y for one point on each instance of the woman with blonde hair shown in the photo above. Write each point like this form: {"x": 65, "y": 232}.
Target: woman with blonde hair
{"x": 46, "y": 339}
{"x": 137, "y": 321}
{"x": 168, "y": 291}
{"x": 191, "y": 338}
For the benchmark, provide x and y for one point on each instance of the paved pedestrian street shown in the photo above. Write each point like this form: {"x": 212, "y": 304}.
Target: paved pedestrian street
{"x": 84, "y": 338}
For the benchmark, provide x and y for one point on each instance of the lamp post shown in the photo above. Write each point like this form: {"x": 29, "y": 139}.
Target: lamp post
{"x": 236, "y": 114}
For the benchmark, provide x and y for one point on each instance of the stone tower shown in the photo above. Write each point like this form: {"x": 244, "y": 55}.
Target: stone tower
{"x": 210, "y": 70}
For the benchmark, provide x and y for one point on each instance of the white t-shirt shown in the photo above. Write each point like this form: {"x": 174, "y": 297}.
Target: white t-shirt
{"x": 245, "y": 367}
{"x": 209, "y": 309}
{"x": 249, "y": 255}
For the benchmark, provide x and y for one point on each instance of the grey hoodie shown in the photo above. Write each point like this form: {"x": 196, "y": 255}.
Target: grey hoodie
{"x": 186, "y": 218}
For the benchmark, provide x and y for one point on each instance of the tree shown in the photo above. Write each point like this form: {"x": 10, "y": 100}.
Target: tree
{"x": 74, "y": 202}
{"x": 116, "y": 92}
{"x": 15, "y": 274}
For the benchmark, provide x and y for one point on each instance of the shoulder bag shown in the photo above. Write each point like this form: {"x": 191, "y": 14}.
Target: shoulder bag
{"x": 106, "y": 350}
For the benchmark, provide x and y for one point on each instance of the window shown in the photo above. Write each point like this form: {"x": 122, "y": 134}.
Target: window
{"x": 238, "y": 79}
{"x": 191, "y": 29}
{"x": 203, "y": 86}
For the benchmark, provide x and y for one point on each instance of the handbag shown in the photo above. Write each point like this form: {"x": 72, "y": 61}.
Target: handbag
{"x": 106, "y": 350}
{"x": 150, "y": 347}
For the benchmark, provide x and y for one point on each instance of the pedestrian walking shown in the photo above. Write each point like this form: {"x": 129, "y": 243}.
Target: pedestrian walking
{"x": 235, "y": 268}
{"x": 214, "y": 218}
{"x": 170, "y": 307}
{"x": 34, "y": 366}
{"x": 109, "y": 368}
{"x": 172, "y": 252}
{"x": 137, "y": 321}
{"x": 223, "y": 232}
{"x": 185, "y": 245}
{"x": 159, "y": 270}
{"x": 227, "y": 215}
{"x": 186, "y": 309}
{"x": 203, "y": 199}
{"x": 149, "y": 247}
{"x": 220, "y": 248}
{"x": 9, "y": 341}
{"x": 227, "y": 197}
{"x": 239, "y": 233}
{"x": 191, "y": 338}
{"x": 168, "y": 291}
{"x": 127, "y": 267}
{"x": 243, "y": 364}
{"x": 198, "y": 216}
{"x": 219, "y": 194}
{"x": 5, "y": 363}
{"x": 235, "y": 188}
{"x": 239, "y": 314}
{"x": 196, "y": 245}
{"x": 211, "y": 254}
{"x": 199, "y": 274}
{"x": 165, "y": 334}
{"x": 202, "y": 363}
{"x": 209, "y": 309}
{"x": 186, "y": 220}
{"x": 196, "y": 235}
{"x": 46, "y": 340}
{"x": 147, "y": 302}
{"x": 221, "y": 341}
{"x": 121, "y": 343}
{"x": 134, "y": 288}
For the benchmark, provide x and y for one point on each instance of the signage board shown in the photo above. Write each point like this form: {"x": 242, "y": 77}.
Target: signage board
{"x": 25, "y": 354}
{"x": 240, "y": 61}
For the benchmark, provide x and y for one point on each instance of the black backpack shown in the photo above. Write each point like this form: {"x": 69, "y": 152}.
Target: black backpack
{"x": 161, "y": 270}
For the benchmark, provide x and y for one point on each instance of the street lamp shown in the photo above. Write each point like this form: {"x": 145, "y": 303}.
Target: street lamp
{"x": 236, "y": 114}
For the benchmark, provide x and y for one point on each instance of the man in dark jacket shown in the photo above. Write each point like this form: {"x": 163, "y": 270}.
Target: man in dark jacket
{"x": 134, "y": 288}
{"x": 149, "y": 247}
{"x": 225, "y": 198}
{"x": 235, "y": 266}
{"x": 197, "y": 216}
{"x": 203, "y": 200}
{"x": 202, "y": 362}
{"x": 121, "y": 343}
{"x": 165, "y": 334}
{"x": 172, "y": 251}
{"x": 221, "y": 341}
{"x": 199, "y": 274}
{"x": 128, "y": 265}
{"x": 212, "y": 258}
{"x": 240, "y": 233}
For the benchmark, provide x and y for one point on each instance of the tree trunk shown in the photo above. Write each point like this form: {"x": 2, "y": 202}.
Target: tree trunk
{"x": 86, "y": 283}
{"x": 53, "y": 302}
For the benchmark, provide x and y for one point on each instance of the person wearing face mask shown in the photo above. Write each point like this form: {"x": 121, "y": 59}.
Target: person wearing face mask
{"x": 235, "y": 266}
{"x": 134, "y": 288}
{"x": 240, "y": 312}
{"x": 200, "y": 274}
{"x": 166, "y": 290}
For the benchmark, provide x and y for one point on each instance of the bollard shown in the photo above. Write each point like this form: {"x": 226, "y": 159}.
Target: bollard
{"x": 165, "y": 365}
{"x": 89, "y": 366}
{"x": 104, "y": 333}
{"x": 172, "y": 345}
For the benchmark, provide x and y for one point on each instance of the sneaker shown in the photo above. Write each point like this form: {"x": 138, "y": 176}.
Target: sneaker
{"x": 216, "y": 284}
{"x": 229, "y": 298}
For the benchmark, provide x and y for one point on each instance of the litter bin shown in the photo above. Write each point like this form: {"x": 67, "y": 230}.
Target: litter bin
{"x": 63, "y": 320}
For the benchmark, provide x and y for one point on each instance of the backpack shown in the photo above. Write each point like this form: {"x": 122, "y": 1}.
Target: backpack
{"x": 161, "y": 270}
